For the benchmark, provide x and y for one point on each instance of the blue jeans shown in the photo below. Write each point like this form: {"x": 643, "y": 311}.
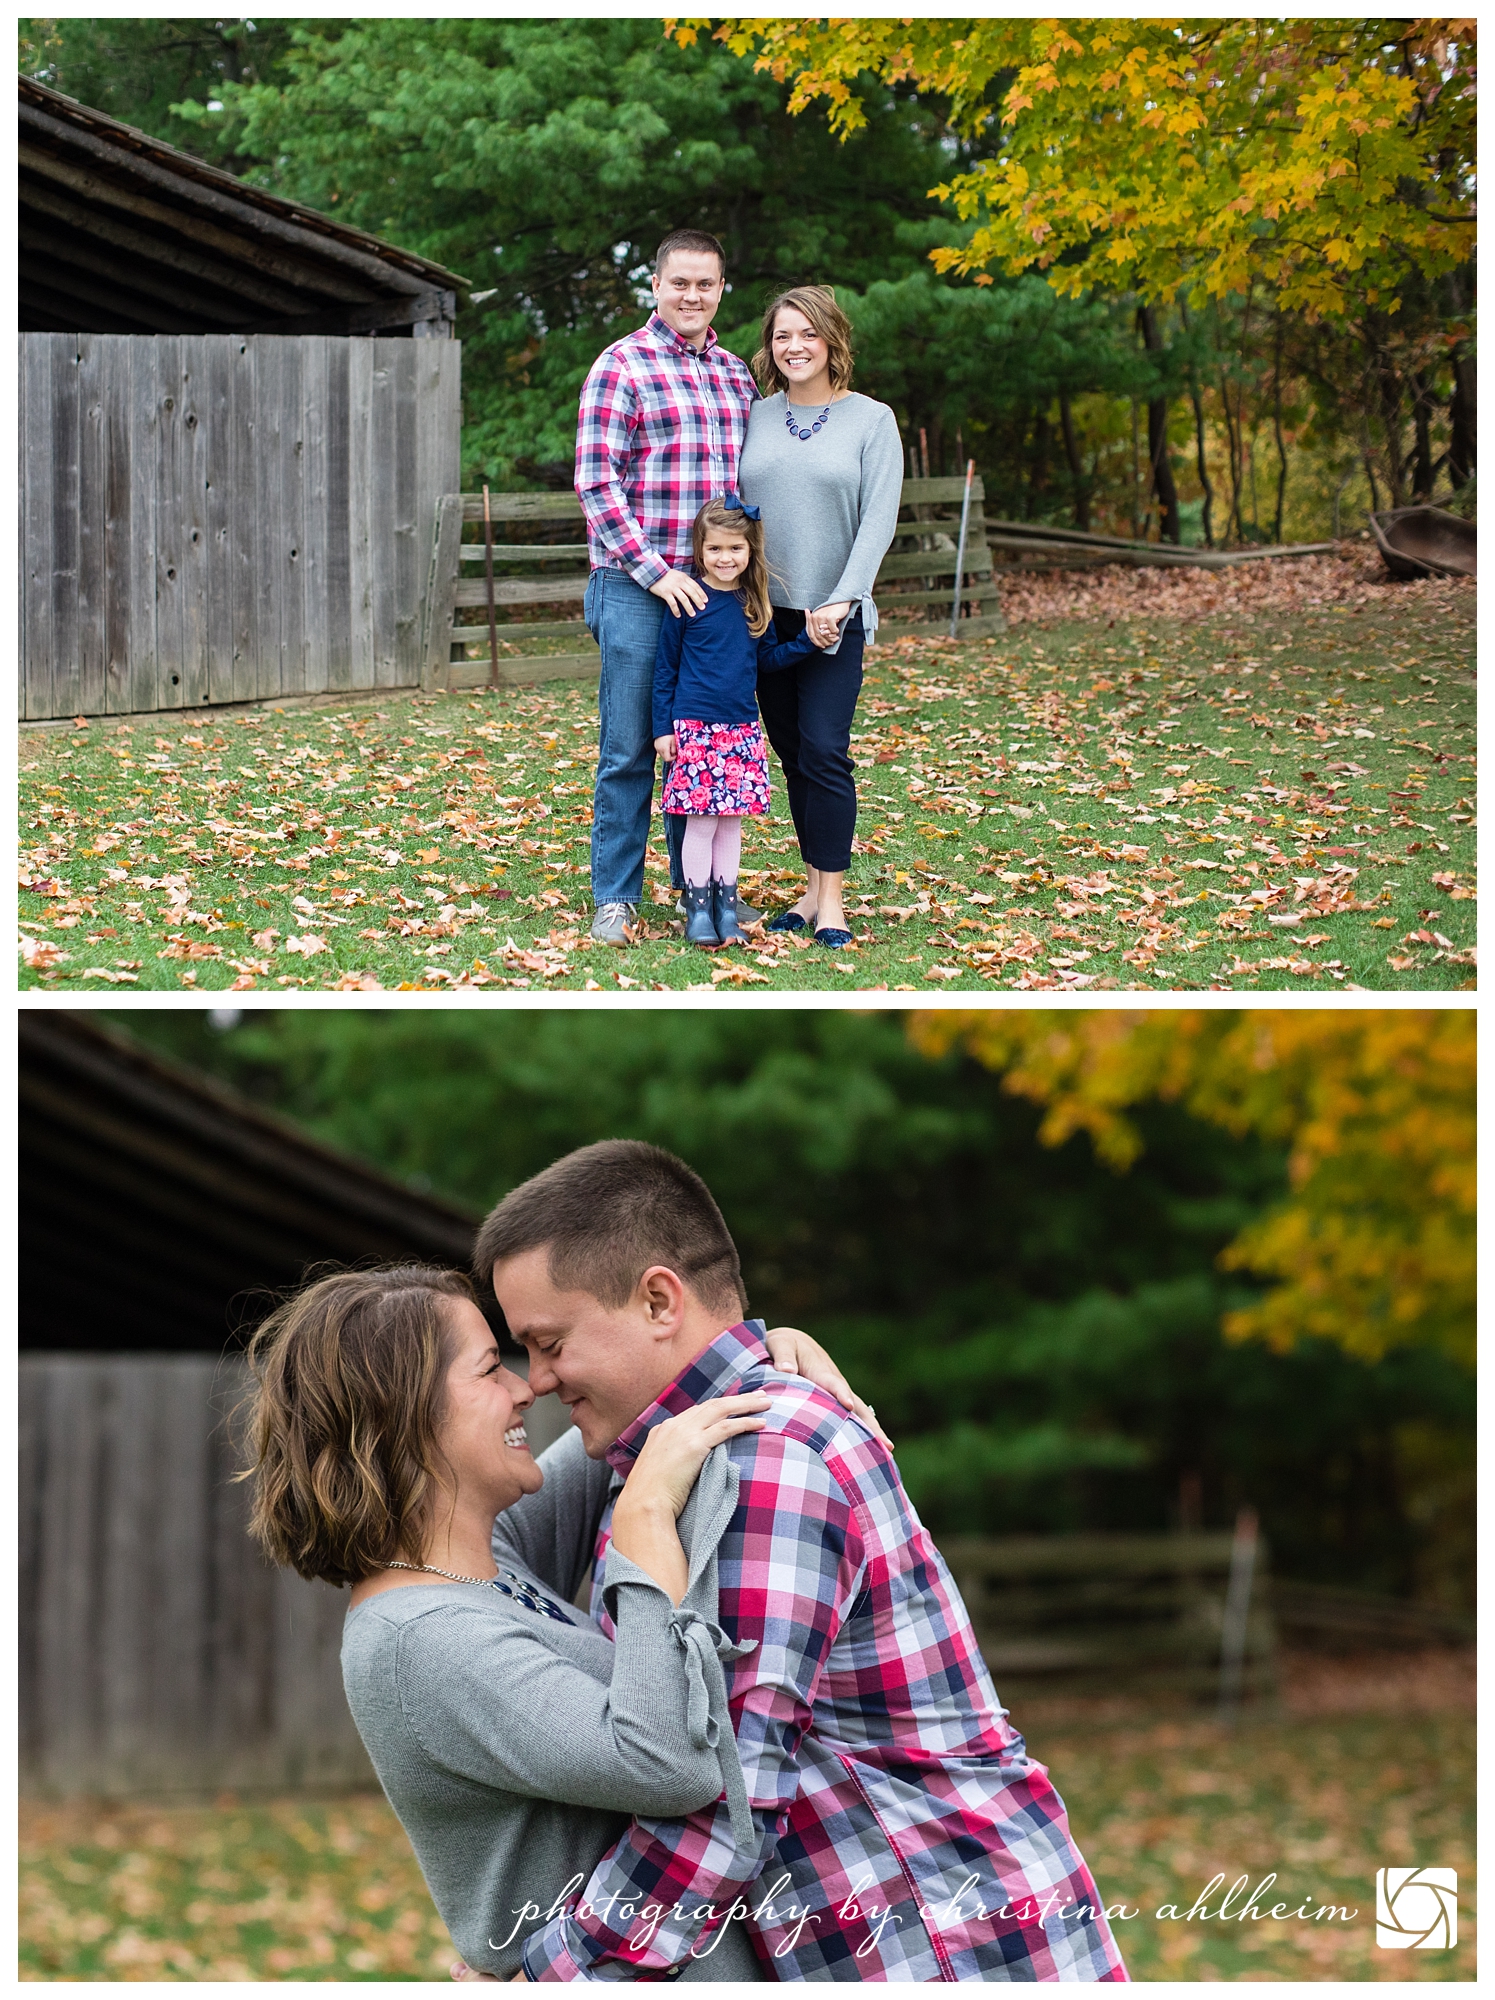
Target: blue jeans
{"x": 624, "y": 619}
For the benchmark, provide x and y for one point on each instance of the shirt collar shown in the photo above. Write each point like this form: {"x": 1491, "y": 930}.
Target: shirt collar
{"x": 712, "y": 1373}
{"x": 663, "y": 331}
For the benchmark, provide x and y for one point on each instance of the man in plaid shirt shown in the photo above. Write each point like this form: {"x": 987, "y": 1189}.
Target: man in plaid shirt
{"x": 902, "y": 1831}
{"x": 663, "y": 416}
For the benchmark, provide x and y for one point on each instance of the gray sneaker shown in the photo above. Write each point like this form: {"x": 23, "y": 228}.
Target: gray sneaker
{"x": 613, "y": 923}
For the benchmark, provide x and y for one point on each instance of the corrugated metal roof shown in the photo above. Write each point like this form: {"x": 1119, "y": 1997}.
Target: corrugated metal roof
{"x": 121, "y": 233}
{"x": 158, "y": 1208}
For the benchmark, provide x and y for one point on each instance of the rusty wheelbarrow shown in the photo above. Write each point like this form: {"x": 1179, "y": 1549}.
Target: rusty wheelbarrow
{"x": 1425, "y": 541}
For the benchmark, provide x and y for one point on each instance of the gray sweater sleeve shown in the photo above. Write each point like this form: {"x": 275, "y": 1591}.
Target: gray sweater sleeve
{"x": 553, "y": 1533}
{"x": 505, "y": 1710}
{"x": 881, "y": 496}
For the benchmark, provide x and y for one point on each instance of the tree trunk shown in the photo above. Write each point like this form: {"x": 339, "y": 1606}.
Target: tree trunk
{"x": 1079, "y": 484}
{"x": 1277, "y": 427}
{"x": 1423, "y": 470}
{"x": 1390, "y": 389}
{"x": 1038, "y": 464}
{"x": 1461, "y": 452}
{"x": 1204, "y": 481}
{"x": 1461, "y": 421}
{"x": 1157, "y": 439}
{"x": 1233, "y": 519}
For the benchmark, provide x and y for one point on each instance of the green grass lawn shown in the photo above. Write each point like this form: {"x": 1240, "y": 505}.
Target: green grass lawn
{"x": 1161, "y": 1802}
{"x": 1234, "y": 803}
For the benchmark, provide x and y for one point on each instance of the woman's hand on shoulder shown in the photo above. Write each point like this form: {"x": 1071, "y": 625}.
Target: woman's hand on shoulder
{"x": 675, "y": 1451}
{"x": 795, "y": 1353}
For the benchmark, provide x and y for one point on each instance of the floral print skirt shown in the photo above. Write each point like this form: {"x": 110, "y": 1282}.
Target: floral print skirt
{"x": 722, "y": 767}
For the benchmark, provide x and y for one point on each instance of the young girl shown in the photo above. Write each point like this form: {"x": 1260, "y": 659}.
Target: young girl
{"x": 706, "y": 724}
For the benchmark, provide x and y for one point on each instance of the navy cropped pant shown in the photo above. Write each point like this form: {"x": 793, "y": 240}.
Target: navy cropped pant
{"x": 807, "y": 711}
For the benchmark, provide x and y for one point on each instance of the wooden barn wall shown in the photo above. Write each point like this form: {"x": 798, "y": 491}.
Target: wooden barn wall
{"x": 159, "y": 1652}
{"x": 223, "y": 518}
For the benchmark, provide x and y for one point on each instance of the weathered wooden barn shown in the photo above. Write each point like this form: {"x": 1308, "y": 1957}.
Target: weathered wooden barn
{"x": 159, "y": 1213}
{"x": 236, "y": 418}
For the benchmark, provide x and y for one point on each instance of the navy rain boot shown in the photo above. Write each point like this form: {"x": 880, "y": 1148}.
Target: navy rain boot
{"x": 699, "y": 927}
{"x": 724, "y": 909}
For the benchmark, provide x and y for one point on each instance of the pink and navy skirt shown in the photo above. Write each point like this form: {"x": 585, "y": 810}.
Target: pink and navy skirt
{"x": 722, "y": 768}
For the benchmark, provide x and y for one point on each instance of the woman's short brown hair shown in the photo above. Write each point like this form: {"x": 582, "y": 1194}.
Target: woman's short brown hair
{"x": 818, "y": 304}
{"x": 341, "y": 1423}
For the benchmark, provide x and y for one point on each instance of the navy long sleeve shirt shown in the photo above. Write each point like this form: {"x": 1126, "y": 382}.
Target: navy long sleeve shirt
{"x": 706, "y": 668}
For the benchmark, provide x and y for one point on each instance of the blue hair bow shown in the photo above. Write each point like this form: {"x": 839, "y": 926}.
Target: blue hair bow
{"x": 735, "y": 505}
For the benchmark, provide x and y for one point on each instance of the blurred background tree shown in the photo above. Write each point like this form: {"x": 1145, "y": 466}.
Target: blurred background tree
{"x": 544, "y": 159}
{"x": 1042, "y": 1333}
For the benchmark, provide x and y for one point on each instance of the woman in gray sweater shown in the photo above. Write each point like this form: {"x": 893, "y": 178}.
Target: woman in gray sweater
{"x": 510, "y": 1735}
{"x": 825, "y": 466}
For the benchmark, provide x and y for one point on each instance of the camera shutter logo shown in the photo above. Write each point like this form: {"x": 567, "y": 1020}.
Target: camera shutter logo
{"x": 1417, "y": 1907}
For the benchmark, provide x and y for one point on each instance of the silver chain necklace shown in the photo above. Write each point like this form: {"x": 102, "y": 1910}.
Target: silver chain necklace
{"x": 506, "y": 1582}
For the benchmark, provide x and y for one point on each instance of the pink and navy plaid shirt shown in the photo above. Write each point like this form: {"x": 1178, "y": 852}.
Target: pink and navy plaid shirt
{"x": 660, "y": 432}
{"x": 904, "y": 1833}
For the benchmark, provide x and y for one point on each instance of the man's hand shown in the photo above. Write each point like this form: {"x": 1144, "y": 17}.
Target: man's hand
{"x": 668, "y": 748}
{"x": 794, "y": 1353}
{"x": 680, "y": 592}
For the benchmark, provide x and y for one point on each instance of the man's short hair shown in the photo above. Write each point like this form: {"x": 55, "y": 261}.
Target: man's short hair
{"x": 697, "y": 242}
{"x": 607, "y": 1213}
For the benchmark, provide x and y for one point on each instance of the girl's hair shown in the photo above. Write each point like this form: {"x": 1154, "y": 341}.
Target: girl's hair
{"x": 752, "y": 585}
{"x": 818, "y": 304}
{"x": 342, "y": 1419}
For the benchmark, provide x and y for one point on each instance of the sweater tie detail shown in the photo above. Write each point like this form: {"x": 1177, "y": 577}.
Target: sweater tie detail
{"x": 705, "y": 1646}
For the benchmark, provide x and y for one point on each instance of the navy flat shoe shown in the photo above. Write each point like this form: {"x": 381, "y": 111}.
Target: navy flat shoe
{"x": 791, "y": 920}
{"x": 833, "y": 939}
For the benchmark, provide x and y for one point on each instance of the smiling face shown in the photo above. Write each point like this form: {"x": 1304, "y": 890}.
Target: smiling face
{"x": 481, "y": 1429}
{"x": 687, "y": 291}
{"x": 724, "y": 556}
{"x": 801, "y": 356}
{"x": 606, "y": 1363}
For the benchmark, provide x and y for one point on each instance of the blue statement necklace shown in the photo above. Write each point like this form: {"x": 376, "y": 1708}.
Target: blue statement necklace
{"x": 792, "y": 422}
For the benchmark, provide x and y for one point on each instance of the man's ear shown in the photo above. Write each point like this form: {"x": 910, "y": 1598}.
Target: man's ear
{"x": 661, "y": 1294}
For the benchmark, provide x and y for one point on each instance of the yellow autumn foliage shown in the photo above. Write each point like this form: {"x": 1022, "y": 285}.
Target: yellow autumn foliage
{"x": 1329, "y": 158}
{"x": 1374, "y": 1247}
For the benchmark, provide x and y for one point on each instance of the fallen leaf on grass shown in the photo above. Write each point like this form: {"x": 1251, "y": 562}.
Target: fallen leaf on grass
{"x": 114, "y": 978}
{"x": 737, "y": 975}
{"x": 308, "y": 944}
{"x": 178, "y": 946}
{"x": 41, "y": 954}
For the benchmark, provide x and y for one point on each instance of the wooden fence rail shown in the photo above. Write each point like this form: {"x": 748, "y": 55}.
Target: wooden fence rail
{"x": 214, "y": 518}
{"x": 540, "y": 562}
{"x": 1107, "y": 1608}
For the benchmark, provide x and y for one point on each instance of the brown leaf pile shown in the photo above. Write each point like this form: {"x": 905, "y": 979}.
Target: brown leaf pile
{"x": 1355, "y": 576}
